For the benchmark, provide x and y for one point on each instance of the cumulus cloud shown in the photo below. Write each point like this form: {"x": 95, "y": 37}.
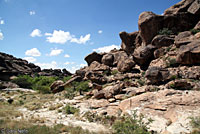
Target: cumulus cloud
{"x": 36, "y": 33}
{"x": 100, "y": 31}
{"x": 52, "y": 65}
{"x": 30, "y": 59}
{"x": 32, "y": 12}
{"x": 1, "y": 36}
{"x": 67, "y": 56}
{"x": 55, "y": 52}
{"x": 33, "y": 52}
{"x": 83, "y": 65}
{"x": 2, "y": 22}
{"x": 61, "y": 37}
{"x": 82, "y": 39}
{"x": 106, "y": 48}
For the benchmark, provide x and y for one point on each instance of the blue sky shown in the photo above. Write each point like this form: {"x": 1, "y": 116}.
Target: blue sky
{"x": 60, "y": 33}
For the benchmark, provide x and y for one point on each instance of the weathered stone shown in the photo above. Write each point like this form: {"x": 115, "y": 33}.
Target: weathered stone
{"x": 180, "y": 85}
{"x": 197, "y": 26}
{"x": 184, "y": 38}
{"x": 156, "y": 75}
{"x": 143, "y": 55}
{"x": 159, "y": 52}
{"x": 93, "y": 57}
{"x": 108, "y": 59}
{"x": 189, "y": 54}
{"x": 96, "y": 66}
{"x": 182, "y": 6}
{"x": 162, "y": 41}
{"x": 57, "y": 86}
{"x": 128, "y": 41}
{"x": 125, "y": 65}
{"x": 149, "y": 25}
{"x": 94, "y": 104}
{"x": 195, "y": 7}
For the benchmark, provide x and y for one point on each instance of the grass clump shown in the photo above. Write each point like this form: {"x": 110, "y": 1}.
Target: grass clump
{"x": 195, "y": 122}
{"x": 131, "y": 125}
{"x": 165, "y": 31}
{"x": 71, "y": 110}
{"x": 114, "y": 72}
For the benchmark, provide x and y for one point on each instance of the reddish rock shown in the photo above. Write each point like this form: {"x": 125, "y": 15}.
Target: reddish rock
{"x": 189, "y": 54}
{"x": 128, "y": 41}
{"x": 93, "y": 57}
{"x": 57, "y": 86}
{"x": 125, "y": 65}
{"x": 162, "y": 41}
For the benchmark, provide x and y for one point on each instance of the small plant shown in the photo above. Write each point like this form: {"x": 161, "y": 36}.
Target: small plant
{"x": 131, "y": 125}
{"x": 71, "y": 110}
{"x": 173, "y": 77}
{"x": 195, "y": 122}
{"x": 141, "y": 82}
{"x": 171, "y": 62}
{"x": 194, "y": 31}
{"x": 165, "y": 31}
{"x": 114, "y": 72}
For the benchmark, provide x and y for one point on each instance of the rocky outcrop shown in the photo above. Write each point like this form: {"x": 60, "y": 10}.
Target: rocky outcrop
{"x": 11, "y": 66}
{"x": 184, "y": 38}
{"x": 156, "y": 75}
{"x": 162, "y": 41}
{"x": 93, "y": 57}
{"x": 143, "y": 55}
{"x": 189, "y": 54}
{"x": 128, "y": 41}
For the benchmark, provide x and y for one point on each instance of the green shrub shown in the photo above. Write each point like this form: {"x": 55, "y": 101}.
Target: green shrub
{"x": 171, "y": 62}
{"x": 71, "y": 110}
{"x": 65, "y": 79}
{"x": 82, "y": 86}
{"x": 114, "y": 72}
{"x": 141, "y": 82}
{"x": 131, "y": 125}
{"x": 24, "y": 81}
{"x": 194, "y": 31}
{"x": 70, "y": 94}
{"x": 195, "y": 122}
{"x": 165, "y": 31}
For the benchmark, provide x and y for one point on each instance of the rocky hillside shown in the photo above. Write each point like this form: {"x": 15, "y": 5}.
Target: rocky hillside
{"x": 155, "y": 73}
{"x": 11, "y": 66}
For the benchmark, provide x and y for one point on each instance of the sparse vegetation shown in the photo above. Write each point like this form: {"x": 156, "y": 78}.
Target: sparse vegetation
{"x": 171, "y": 62}
{"x": 71, "y": 110}
{"x": 195, "y": 122}
{"x": 165, "y": 31}
{"x": 141, "y": 82}
{"x": 194, "y": 31}
{"x": 131, "y": 125}
{"x": 114, "y": 72}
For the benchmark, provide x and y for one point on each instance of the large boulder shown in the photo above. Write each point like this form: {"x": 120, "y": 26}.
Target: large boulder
{"x": 128, "y": 41}
{"x": 157, "y": 75}
{"x": 184, "y": 38}
{"x": 162, "y": 41}
{"x": 57, "y": 86}
{"x": 143, "y": 55}
{"x": 93, "y": 57}
{"x": 96, "y": 66}
{"x": 182, "y": 6}
{"x": 149, "y": 26}
{"x": 108, "y": 59}
{"x": 125, "y": 65}
{"x": 189, "y": 54}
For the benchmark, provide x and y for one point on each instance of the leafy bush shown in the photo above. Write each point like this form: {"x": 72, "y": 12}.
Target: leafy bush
{"x": 131, "y": 125}
{"x": 65, "y": 79}
{"x": 41, "y": 83}
{"x": 71, "y": 110}
{"x": 24, "y": 81}
{"x": 194, "y": 31}
{"x": 165, "y": 31}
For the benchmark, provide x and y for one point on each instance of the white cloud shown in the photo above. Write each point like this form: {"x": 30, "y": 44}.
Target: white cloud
{"x": 30, "y": 59}
{"x": 82, "y": 39}
{"x": 106, "y": 48}
{"x": 100, "y": 31}
{"x": 72, "y": 69}
{"x": 52, "y": 65}
{"x": 32, "y": 12}
{"x": 2, "y": 22}
{"x": 68, "y": 63}
{"x": 55, "y": 52}
{"x": 61, "y": 37}
{"x": 67, "y": 56}
{"x": 1, "y": 36}
{"x": 35, "y": 33}
{"x": 33, "y": 52}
